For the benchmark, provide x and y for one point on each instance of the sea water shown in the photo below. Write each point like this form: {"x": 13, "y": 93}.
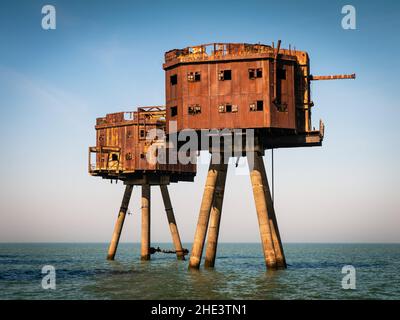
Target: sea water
{"x": 314, "y": 272}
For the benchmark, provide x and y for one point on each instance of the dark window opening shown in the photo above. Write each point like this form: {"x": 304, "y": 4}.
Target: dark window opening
{"x": 257, "y": 106}
{"x": 252, "y": 74}
{"x": 142, "y": 133}
{"x": 255, "y": 73}
{"x": 227, "y": 108}
{"x": 194, "y": 109}
{"x": 193, "y": 76}
{"x": 281, "y": 74}
{"x": 114, "y": 157}
{"x": 128, "y": 156}
{"x": 225, "y": 75}
{"x": 174, "y": 79}
{"x": 174, "y": 111}
{"x": 142, "y": 156}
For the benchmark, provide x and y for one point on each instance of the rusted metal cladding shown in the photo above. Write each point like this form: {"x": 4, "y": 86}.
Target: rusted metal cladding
{"x": 123, "y": 145}
{"x": 234, "y": 86}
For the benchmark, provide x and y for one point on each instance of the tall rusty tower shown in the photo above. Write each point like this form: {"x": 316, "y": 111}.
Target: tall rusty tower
{"x": 253, "y": 97}
{"x": 240, "y": 87}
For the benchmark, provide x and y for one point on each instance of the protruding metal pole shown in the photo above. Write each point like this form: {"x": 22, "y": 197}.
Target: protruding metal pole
{"x": 276, "y": 237}
{"x": 112, "y": 249}
{"x": 145, "y": 250}
{"x": 172, "y": 223}
{"x": 262, "y": 211}
{"x": 215, "y": 217}
{"x": 272, "y": 172}
{"x": 204, "y": 215}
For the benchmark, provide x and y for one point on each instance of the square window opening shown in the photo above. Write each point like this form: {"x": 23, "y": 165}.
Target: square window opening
{"x": 225, "y": 75}
{"x": 193, "y": 76}
{"x": 194, "y": 109}
{"x": 174, "y": 79}
{"x": 252, "y": 74}
{"x": 174, "y": 111}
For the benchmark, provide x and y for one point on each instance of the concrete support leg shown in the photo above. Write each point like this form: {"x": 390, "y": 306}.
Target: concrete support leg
{"x": 261, "y": 207}
{"x": 276, "y": 237}
{"x": 145, "y": 249}
{"x": 215, "y": 217}
{"x": 204, "y": 215}
{"x": 112, "y": 249}
{"x": 172, "y": 223}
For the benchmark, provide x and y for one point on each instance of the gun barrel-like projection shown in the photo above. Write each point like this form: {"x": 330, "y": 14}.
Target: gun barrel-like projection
{"x": 333, "y": 77}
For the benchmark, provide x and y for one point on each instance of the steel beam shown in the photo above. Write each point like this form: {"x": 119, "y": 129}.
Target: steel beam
{"x": 257, "y": 182}
{"x": 112, "y": 249}
{"x": 172, "y": 223}
{"x": 145, "y": 249}
{"x": 215, "y": 217}
{"x": 204, "y": 214}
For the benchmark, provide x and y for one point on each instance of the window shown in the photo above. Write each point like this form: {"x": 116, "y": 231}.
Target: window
{"x": 128, "y": 156}
{"x": 193, "y": 76}
{"x": 174, "y": 79}
{"x": 281, "y": 74}
{"x": 194, "y": 109}
{"x": 142, "y": 133}
{"x": 222, "y": 108}
{"x": 114, "y": 157}
{"x": 174, "y": 111}
{"x": 255, "y": 73}
{"x": 225, "y": 75}
{"x": 257, "y": 106}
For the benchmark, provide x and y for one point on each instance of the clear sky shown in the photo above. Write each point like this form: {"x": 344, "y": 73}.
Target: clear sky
{"x": 106, "y": 56}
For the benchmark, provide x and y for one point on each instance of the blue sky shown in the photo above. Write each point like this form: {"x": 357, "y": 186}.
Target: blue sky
{"x": 106, "y": 56}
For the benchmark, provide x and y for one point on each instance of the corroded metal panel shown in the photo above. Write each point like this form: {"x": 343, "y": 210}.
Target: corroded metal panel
{"x": 232, "y": 79}
{"x": 122, "y": 145}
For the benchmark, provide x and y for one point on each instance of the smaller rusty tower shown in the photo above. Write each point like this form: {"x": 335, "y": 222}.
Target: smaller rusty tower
{"x": 126, "y": 150}
{"x": 237, "y": 87}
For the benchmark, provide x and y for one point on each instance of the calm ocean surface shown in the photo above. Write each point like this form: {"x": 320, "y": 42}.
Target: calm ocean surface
{"x": 314, "y": 272}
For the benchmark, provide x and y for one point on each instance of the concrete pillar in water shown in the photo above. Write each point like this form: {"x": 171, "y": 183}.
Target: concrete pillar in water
{"x": 112, "y": 249}
{"x": 145, "y": 249}
{"x": 276, "y": 237}
{"x": 215, "y": 217}
{"x": 204, "y": 214}
{"x": 172, "y": 223}
{"x": 257, "y": 182}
